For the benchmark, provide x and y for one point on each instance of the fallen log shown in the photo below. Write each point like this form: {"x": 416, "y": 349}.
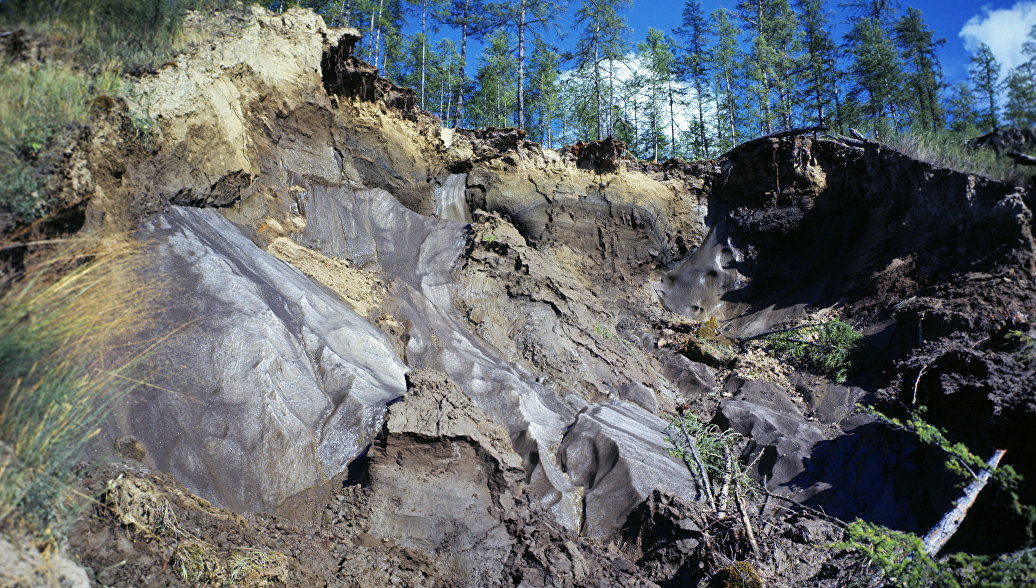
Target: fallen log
{"x": 1021, "y": 158}
{"x": 944, "y": 529}
{"x": 701, "y": 464}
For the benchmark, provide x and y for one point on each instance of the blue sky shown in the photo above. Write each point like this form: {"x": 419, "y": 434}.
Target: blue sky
{"x": 1002, "y": 24}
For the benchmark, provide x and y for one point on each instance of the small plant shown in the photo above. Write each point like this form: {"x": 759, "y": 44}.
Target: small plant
{"x": 144, "y": 126}
{"x": 488, "y": 238}
{"x": 709, "y": 345}
{"x": 1025, "y": 346}
{"x": 826, "y": 348}
{"x": 604, "y": 331}
{"x": 1004, "y": 571}
{"x": 716, "y": 449}
{"x": 197, "y": 562}
{"x": 897, "y": 558}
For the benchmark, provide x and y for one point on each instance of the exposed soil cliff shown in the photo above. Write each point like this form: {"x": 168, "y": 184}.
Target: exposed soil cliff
{"x": 394, "y": 353}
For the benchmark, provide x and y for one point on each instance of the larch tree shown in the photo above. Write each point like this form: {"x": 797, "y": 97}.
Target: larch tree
{"x": 819, "y": 74}
{"x": 468, "y": 16}
{"x": 961, "y": 111}
{"x": 656, "y": 53}
{"x": 876, "y": 71}
{"x": 694, "y": 68}
{"x": 530, "y": 20}
{"x": 727, "y": 57}
{"x": 1020, "y": 108}
{"x": 918, "y": 45}
{"x": 544, "y": 94}
{"x": 603, "y": 39}
{"x": 431, "y": 12}
{"x": 493, "y": 100}
{"x": 985, "y": 77}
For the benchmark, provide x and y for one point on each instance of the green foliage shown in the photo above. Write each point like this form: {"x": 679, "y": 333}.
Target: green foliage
{"x": 897, "y": 557}
{"x": 709, "y": 345}
{"x": 985, "y": 77}
{"x": 1004, "y": 571}
{"x": 962, "y": 462}
{"x": 739, "y": 575}
{"x": 130, "y": 32}
{"x": 950, "y": 150}
{"x": 713, "y": 446}
{"x": 1025, "y": 346}
{"x": 37, "y": 103}
{"x": 825, "y": 348}
{"x": 900, "y": 560}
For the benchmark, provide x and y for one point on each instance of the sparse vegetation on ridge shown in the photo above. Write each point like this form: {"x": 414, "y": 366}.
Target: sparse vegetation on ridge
{"x": 950, "y": 150}
{"x": 94, "y": 43}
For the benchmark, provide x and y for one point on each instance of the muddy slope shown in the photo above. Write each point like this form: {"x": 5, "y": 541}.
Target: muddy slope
{"x": 403, "y": 354}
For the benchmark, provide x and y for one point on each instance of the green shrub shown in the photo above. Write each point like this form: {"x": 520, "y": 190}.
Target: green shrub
{"x": 896, "y": 557}
{"x": 899, "y": 559}
{"x": 826, "y": 348}
{"x": 1024, "y": 344}
{"x": 1004, "y": 571}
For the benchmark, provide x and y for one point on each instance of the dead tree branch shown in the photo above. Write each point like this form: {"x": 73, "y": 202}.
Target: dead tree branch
{"x": 701, "y": 464}
{"x": 944, "y": 530}
{"x": 1021, "y": 158}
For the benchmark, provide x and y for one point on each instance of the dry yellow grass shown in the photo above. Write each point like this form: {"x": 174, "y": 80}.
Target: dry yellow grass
{"x": 69, "y": 331}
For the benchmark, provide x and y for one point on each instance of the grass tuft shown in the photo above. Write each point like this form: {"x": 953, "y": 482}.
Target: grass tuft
{"x": 951, "y": 151}
{"x": 37, "y": 103}
{"x": 64, "y": 326}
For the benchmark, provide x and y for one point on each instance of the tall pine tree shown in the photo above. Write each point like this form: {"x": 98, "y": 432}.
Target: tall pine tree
{"x": 819, "y": 74}
{"x": 602, "y": 40}
{"x": 694, "y": 67}
{"x": 985, "y": 77}
{"x": 924, "y": 82}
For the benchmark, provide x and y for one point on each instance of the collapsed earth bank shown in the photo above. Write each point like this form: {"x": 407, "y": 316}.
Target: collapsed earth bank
{"x": 392, "y": 352}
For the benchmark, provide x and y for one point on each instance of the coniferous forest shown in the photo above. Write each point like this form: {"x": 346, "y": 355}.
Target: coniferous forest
{"x": 693, "y": 91}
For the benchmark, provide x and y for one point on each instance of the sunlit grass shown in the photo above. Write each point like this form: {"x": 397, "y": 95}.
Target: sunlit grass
{"x": 37, "y": 103}
{"x": 949, "y": 150}
{"x": 68, "y": 330}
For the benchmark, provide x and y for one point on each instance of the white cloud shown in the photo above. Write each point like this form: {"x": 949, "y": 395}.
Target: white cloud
{"x": 1003, "y": 29}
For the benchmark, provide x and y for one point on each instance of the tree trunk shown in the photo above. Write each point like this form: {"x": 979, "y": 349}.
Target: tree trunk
{"x": 730, "y": 107}
{"x": 463, "y": 64}
{"x": 370, "y": 37}
{"x": 424, "y": 41}
{"x": 521, "y": 65}
{"x": 611, "y": 98}
{"x": 703, "y": 140}
{"x": 941, "y": 532}
{"x": 672, "y": 121}
{"x": 377, "y": 37}
{"x": 597, "y": 79}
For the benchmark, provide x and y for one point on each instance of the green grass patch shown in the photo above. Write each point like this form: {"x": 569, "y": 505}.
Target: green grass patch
{"x": 897, "y": 558}
{"x": 826, "y": 348}
{"x": 1024, "y": 346}
{"x": 950, "y": 150}
{"x": 37, "y": 103}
